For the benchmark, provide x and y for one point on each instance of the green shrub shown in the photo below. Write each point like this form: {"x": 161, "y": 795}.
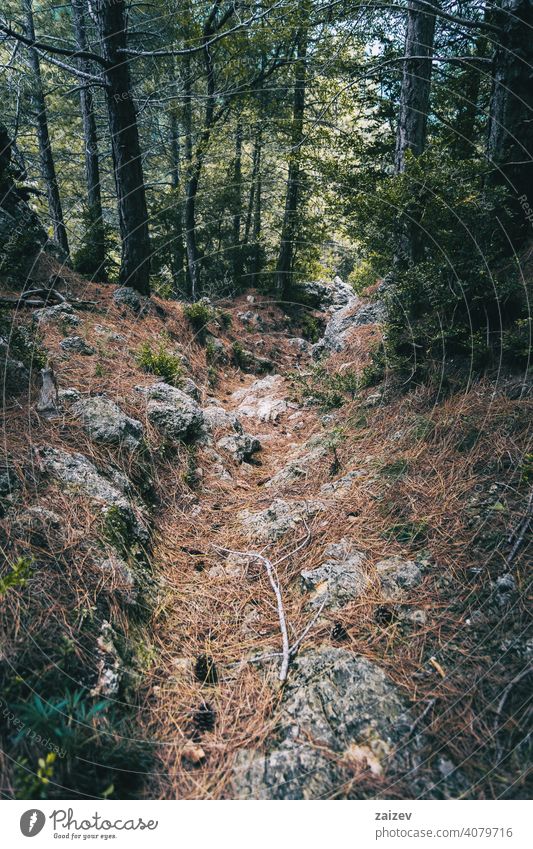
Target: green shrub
{"x": 310, "y": 328}
{"x": 160, "y": 362}
{"x": 455, "y": 299}
{"x": 17, "y": 577}
{"x": 199, "y": 315}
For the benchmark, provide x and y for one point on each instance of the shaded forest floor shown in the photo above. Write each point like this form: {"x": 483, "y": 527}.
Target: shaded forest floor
{"x": 440, "y": 480}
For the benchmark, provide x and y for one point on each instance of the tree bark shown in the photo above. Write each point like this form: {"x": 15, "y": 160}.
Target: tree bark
{"x": 43, "y": 135}
{"x": 416, "y": 84}
{"x": 237, "y": 215}
{"x": 90, "y": 135}
{"x": 290, "y": 218}
{"x": 191, "y": 185}
{"x": 510, "y": 137}
{"x": 127, "y": 158}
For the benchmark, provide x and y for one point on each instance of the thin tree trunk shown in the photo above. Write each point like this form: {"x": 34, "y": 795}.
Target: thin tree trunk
{"x": 191, "y": 185}
{"x": 256, "y": 229}
{"x": 416, "y": 83}
{"x": 237, "y": 216}
{"x": 177, "y": 246}
{"x": 510, "y": 138}
{"x": 43, "y": 135}
{"x": 129, "y": 179}
{"x": 92, "y": 165}
{"x": 290, "y": 218}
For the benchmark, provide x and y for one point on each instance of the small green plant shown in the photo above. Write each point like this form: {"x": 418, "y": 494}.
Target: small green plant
{"x": 396, "y": 469}
{"x": 17, "y": 577}
{"x": 199, "y": 315}
{"x": 117, "y": 530}
{"x": 239, "y": 356}
{"x": 332, "y": 442}
{"x": 190, "y": 476}
{"x": 32, "y": 783}
{"x": 408, "y": 532}
{"x": 161, "y": 362}
{"x": 526, "y": 469}
{"x": 310, "y": 328}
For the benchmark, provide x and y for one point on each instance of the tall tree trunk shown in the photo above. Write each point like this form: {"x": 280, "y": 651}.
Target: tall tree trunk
{"x": 129, "y": 179}
{"x": 191, "y": 185}
{"x": 90, "y": 135}
{"x": 177, "y": 247}
{"x": 416, "y": 83}
{"x": 290, "y": 218}
{"x": 43, "y": 135}
{"x": 237, "y": 215}
{"x": 510, "y": 138}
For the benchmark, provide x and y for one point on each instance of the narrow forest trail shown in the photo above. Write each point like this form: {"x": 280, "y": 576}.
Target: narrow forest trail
{"x": 219, "y": 609}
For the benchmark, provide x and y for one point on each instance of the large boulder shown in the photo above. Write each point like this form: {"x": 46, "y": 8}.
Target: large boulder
{"x": 77, "y": 345}
{"x": 339, "y": 580}
{"x": 106, "y": 423}
{"x": 398, "y": 577}
{"x": 172, "y": 412}
{"x": 241, "y": 446}
{"x": 276, "y": 520}
{"x": 60, "y": 313}
{"x": 341, "y": 718}
{"x": 218, "y": 419}
{"x": 79, "y": 473}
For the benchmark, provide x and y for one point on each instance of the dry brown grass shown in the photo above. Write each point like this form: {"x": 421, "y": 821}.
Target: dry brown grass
{"x": 446, "y": 451}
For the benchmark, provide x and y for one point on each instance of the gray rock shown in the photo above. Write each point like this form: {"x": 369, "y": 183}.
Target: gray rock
{"x": 40, "y": 527}
{"x": 343, "y": 484}
{"x": 125, "y": 296}
{"x": 261, "y": 400}
{"x": 217, "y": 418}
{"x": 172, "y": 412}
{"x": 339, "y": 580}
{"x": 119, "y": 574}
{"x": 77, "y": 345}
{"x": 322, "y": 294}
{"x": 297, "y": 469}
{"x": 251, "y": 319}
{"x": 106, "y": 423}
{"x": 398, "y": 576}
{"x": 343, "y": 321}
{"x": 300, "y": 345}
{"x": 282, "y": 516}
{"x": 241, "y": 446}
{"x": 14, "y": 376}
{"x": 190, "y": 388}
{"x": 338, "y": 704}
{"x": 68, "y": 396}
{"x": 63, "y": 313}
{"x": 216, "y": 349}
{"x": 77, "y": 471}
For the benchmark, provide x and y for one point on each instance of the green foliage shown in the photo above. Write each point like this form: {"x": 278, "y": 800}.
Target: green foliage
{"x": 454, "y": 298}
{"x": 160, "y": 361}
{"x": 199, "y": 315}
{"x": 395, "y": 469}
{"x": 17, "y": 577}
{"x": 24, "y": 343}
{"x": 363, "y": 276}
{"x": 326, "y": 390}
{"x": 310, "y": 328}
{"x": 408, "y": 532}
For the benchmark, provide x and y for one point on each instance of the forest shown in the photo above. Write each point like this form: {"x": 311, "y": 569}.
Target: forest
{"x": 265, "y": 338}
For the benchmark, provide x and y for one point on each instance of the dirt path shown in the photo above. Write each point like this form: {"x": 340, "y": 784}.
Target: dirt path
{"x": 217, "y": 611}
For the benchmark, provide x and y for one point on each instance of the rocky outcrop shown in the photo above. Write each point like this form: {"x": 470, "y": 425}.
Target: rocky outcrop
{"x": 263, "y": 399}
{"x": 172, "y": 412}
{"x": 60, "y": 313}
{"x": 77, "y": 471}
{"x": 106, "y": 423}
{"x": 339, "y": 580}
{"x": 341, "y": 717}
{"x": 282, "y": 516}
{"x": 343, "y": 321}
{"x": 398, "y": 577}
{"x": 77, "y": 345}
{"x": 322, "y": 294}
{"x": 241, "y": 446}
